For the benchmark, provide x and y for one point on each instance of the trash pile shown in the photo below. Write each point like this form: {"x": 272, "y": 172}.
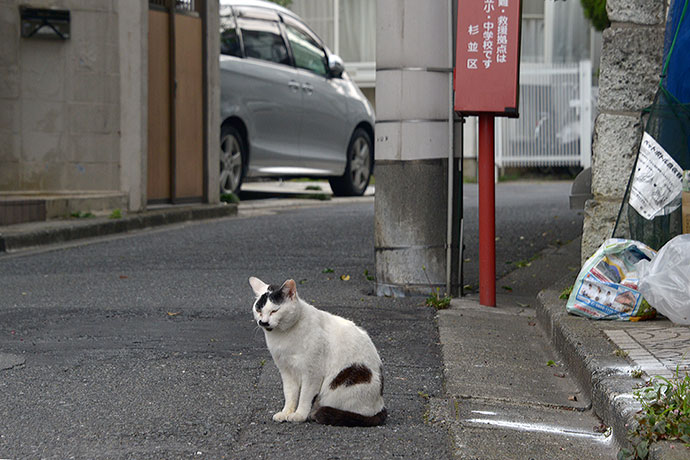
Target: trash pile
{"x": 627, "y": 280}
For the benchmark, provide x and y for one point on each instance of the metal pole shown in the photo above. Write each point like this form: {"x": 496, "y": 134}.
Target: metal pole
{"x": 172, "y": 81}
{"x": 451, "y": 170}
{"x": 461, "y": 208}
{"x": 487, "y": 213}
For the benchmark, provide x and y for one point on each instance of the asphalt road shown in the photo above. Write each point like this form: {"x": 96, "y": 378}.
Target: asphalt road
{"x": 143, "y": 345}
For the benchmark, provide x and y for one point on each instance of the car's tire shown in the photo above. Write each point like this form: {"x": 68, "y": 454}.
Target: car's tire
{"x": 360, "y": 159}
{"x": 233, "y": 158}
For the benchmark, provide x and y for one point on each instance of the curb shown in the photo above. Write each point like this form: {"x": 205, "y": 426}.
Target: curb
{"x": 589, "y": 356}
{"x": 53, "y": 232}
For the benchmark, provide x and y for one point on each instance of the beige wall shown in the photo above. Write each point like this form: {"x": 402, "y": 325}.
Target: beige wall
{"x": 60, "y": 101}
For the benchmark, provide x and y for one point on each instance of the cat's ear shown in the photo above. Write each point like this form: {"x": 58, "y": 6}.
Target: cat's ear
{"x": 289, "y": 289}
{"x": 258, "y": 286}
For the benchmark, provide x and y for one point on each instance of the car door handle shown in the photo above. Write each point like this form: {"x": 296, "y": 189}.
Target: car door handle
{"x": 308, "y": 88}
{"x": 294, "y": 86}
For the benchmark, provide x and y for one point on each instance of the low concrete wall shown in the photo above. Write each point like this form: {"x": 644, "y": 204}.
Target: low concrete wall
{"x": 60, "y": 102}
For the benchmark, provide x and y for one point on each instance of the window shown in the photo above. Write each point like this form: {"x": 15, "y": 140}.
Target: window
{"x": 307, "y": 52}
{"x": 262, "y": 40}
{"x": 348, "y": 27}
{"x": 229, "y": 40}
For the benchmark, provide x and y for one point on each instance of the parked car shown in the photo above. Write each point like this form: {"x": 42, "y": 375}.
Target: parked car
{"x": 288, "y": 107}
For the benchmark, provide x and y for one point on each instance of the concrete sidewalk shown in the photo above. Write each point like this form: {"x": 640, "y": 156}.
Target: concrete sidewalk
{"x": 286, "y": 194}
{"x": 600, "y": 355}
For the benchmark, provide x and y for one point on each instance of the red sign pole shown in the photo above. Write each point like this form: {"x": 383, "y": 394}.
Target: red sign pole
{"x": 487, "y": 63}
{"x": 487, "y": 212}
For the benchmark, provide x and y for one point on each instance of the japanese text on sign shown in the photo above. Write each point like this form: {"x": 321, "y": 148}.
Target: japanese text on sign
{"x": 488, "y": 52}
{"x": 491, "y": 32}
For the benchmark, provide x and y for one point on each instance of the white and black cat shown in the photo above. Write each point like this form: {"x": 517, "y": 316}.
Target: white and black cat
{"x": 330, "y": 369}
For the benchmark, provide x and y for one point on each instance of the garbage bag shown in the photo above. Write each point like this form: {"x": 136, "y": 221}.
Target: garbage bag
{"x": 665, "y": 281}
{"x": 606, "y": 287}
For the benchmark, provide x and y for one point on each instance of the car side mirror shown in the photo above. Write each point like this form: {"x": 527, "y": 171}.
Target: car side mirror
{"x": 336, "y": 66}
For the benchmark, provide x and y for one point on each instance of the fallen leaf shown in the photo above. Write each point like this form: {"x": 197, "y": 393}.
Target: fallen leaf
{"x": 123, "y": 277}
{"x": 601, "y": 428}
{"x": 560, "y": 376}
{"x": 170, "y": 313}
{"x": 531, "y": 323}
{"x": 551, "y": 363}
{"x": 345, "y": 277}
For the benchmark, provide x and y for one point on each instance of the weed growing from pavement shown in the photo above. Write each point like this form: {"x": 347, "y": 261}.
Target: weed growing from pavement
{"x": 116, "y": 214}
{"x": 565, "y": 294}
{"x": 436, "y": 299}
{"x": 82, "y": 215}
{"x": 229, "y": 198}
{"x": 368, "y": 276}
{"x": 621, "y": 353}
{"x": 665, "y": 415}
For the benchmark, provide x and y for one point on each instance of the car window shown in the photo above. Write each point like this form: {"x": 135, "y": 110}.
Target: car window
{"x": 262, "y": 40}
{"x": 229, "y": 40}
{"x": 307, "y": 53}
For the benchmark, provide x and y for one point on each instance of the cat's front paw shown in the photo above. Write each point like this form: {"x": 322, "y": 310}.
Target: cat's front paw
{"x": 281, "y": 416}
{"x": 297, "y": 417}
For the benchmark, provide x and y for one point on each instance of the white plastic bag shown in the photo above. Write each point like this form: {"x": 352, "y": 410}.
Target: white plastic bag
{"x": 665, "y": 281}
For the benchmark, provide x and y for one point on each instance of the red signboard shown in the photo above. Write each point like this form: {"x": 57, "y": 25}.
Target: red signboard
{"x": 487, "y": 57}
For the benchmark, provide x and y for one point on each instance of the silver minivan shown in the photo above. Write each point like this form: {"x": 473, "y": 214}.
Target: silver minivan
{"x": 288, "y": 108}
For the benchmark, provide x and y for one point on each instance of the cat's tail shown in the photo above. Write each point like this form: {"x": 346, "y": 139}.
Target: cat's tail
{"x": 332, "y": 416}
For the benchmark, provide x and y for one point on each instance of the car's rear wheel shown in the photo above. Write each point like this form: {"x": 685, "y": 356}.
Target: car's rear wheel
{"x": 232, "y": 159}
{"x": 358, "y": 169}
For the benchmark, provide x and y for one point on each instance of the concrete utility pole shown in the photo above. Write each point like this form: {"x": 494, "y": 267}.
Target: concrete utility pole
{"x": 413, "y": 141}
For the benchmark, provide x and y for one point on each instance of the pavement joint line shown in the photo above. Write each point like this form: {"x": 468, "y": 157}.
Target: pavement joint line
{"x": 517, "y": 403}
{"x": 638, "y": 354}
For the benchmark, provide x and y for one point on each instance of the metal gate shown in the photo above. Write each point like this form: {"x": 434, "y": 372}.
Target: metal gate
{"x": 555, "y": 124}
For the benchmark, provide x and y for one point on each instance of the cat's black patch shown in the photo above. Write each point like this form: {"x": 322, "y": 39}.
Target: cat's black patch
{"x": 261, "y": 303}
{"x": 331, "y": 416}
{"x": 381, "y": 375}
{"x": 273, "y": 293}
{"x": 277, "y": 296}
{"x": 357, "y": 373}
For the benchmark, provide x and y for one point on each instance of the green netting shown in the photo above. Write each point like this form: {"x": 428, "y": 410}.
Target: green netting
{"x": 669, "y": 125}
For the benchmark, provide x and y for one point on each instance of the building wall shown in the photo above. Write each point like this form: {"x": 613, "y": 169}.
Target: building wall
{"x": 60, "y": 101}
{"x": 630, "y": 67}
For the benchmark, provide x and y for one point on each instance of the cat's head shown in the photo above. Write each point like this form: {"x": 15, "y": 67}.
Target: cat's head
{"x": 275, "y": 306}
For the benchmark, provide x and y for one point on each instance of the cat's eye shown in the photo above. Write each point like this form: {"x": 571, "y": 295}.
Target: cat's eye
{"x": 272, "y": 312}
